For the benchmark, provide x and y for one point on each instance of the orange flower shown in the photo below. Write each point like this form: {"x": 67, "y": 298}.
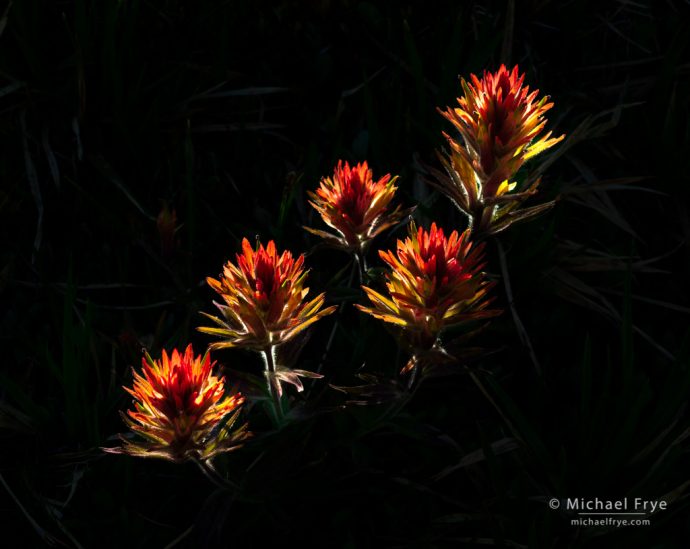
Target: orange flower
{"x": 500, "y": 122}
{"x": 355, "y": 205}
{"x": 434, "y": 282}
{"x": 166, "y": 222}
{"x": 181, "y": 410}
{"x": 264, "y": 298}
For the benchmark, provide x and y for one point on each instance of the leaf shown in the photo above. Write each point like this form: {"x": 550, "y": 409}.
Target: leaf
{"x": 377, "y": 390}
{"x": 579, "y": 257}
{"x": 575, "y": 290}
{"x": 14, "y": 86}
{"x": 108, "y": 172}
{"x": 329, "y": 240}
{"x": 248, "y": 126}
{"x": 520, "y": 216}
{"x": 242, "y": 92}
{"x": 33, "y": 184}
{"x": 656, "y": 442}
{"x": 589, "y": 128}
{"x": 677, "y": 493}
{"x": 456, "y": 518}
{"x": 502, "y": 446}
{"x": 524, "y": 429}
{"x": 50, "y": 156}
{"x": 617, "y": 184}
{"x": 3, "y": 20}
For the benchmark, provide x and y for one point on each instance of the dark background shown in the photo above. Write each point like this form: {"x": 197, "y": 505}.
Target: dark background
{"x": 228, "y": 112}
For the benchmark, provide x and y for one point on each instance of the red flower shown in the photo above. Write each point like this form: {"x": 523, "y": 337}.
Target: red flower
{"x": 181, "y": 410}
{"x": 501, "y": 123}
{"x": 264, "y": 298}
{"x": 434, "y": 282}
{"x": 355, "y": 205}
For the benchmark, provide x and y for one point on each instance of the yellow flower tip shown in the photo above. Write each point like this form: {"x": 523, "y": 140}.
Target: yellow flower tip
{"x": 181, "y": 409}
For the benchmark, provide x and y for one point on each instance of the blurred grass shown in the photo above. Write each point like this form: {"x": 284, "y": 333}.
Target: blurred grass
{"x": 229, "y": 112}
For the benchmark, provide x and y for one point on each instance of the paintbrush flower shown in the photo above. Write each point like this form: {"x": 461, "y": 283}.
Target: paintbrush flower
{"x": 181, "y": 410}
{"x": 265, "y": 299}
{"x": 434, "y": 282}
{"x": 355, "y": 205}
{"x": 501, "y": 125}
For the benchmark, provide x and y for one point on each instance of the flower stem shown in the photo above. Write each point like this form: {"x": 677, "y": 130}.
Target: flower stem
{"x": 213, "y": 475}
{"x": 361, "y": 264}
{"x": 270, "y": 365}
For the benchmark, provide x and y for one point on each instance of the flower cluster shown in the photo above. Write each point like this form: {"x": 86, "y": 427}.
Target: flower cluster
{"x": 500, "y": 123}
{"x": 181, "y": 410}
{"x": 433, "y": 282}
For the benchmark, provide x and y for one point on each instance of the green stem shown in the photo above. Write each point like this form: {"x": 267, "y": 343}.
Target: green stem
{"x": 361, "y": 264}
{"x": 479, "y": 224}
{"x": 270, "y": 365}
